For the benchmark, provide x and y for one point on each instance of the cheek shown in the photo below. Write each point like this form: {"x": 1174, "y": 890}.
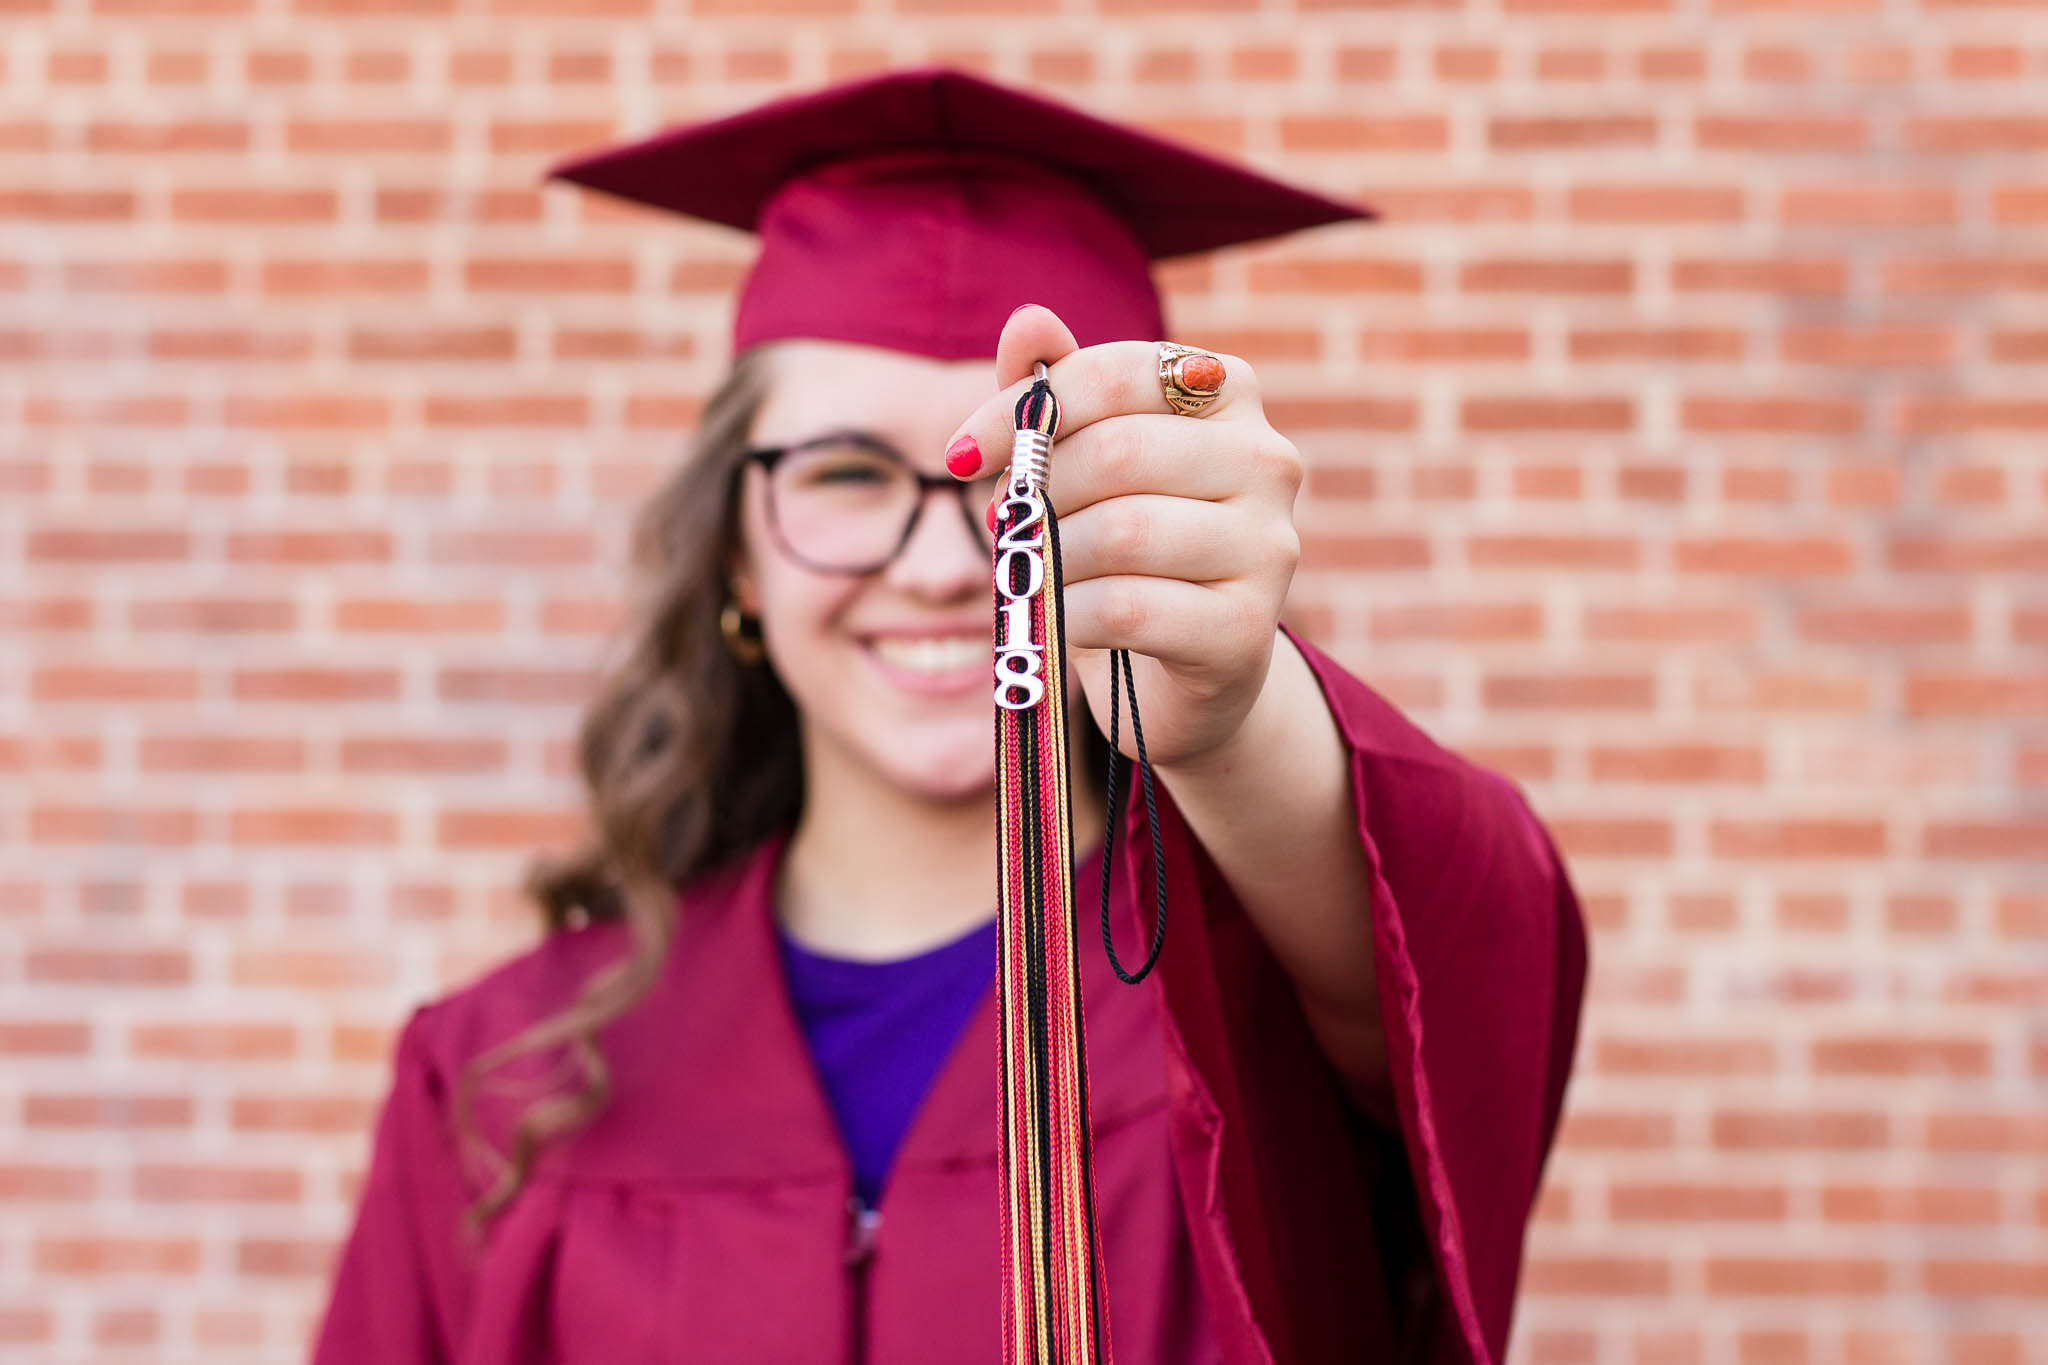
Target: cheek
{"x": 799, "y": 615}
{"x": 798, "y": 608}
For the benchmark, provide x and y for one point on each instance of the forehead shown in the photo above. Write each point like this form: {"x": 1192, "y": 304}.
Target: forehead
{"x": 813, "y": 383}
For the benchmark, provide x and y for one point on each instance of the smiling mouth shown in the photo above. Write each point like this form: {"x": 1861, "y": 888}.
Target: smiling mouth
{"x": 937, "y": 656}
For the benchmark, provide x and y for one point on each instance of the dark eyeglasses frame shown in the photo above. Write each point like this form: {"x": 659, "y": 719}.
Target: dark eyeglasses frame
{"x": 768, "y": 456}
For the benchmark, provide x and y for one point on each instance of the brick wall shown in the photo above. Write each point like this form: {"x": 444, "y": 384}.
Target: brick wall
{"x": 1677, "y": 446}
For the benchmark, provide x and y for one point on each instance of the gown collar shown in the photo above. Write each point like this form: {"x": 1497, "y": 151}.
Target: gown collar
{"x": 713, "y": 1078}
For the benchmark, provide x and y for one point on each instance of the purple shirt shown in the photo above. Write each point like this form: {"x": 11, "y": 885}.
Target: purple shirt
{"x": 878, "y": 1032}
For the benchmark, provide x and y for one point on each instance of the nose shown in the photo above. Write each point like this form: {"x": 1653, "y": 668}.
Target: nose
{"x": 943, "y": 558}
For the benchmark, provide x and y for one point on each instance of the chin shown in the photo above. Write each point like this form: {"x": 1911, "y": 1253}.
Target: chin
{"x": 945, "y": 772}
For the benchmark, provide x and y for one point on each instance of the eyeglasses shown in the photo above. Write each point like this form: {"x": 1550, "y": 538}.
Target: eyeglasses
{"x": 847, "y": 502}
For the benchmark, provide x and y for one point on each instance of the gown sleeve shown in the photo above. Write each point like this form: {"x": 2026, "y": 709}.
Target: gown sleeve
{"x": 401, "y": 1275}
{"x": 1319, "y": 1233}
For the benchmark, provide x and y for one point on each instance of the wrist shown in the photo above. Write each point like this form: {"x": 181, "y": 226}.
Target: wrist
{"x": 1263, "y": 724}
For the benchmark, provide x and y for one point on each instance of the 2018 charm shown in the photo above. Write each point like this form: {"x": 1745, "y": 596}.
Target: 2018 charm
{"x": 1020, "y": 684}
{"x": 1020, "y": 572}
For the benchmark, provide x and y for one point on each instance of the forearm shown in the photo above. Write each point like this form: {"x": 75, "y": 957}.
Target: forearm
{"x": 1275, "y": 810}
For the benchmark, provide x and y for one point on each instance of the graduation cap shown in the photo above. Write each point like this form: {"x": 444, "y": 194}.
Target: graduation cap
{"x": 916, "y": 209}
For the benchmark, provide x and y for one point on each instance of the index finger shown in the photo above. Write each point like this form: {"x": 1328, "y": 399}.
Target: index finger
{"x": 1090, "y": 383}
{"x": 1109, "y": 379}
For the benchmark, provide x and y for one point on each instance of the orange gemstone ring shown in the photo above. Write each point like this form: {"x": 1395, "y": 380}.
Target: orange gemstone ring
{"x": 1191, "y": 378}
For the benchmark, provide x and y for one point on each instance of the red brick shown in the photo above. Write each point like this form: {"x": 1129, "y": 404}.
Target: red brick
{"x": 1454, "y": 621}
{"x": 1892, "y": 1055}
{"x": 112, "y": 1110}
{"x": 1672, "y": 64}
{"x": 215, "y": 616}
{"x": 1611, "y": 837}
{"x": 1538, "y": 276}
{"x": 1880, "y": 623}
{"x": 417, "y": 345}
{"x": 1689, "y": 1056}
{"x": 1773, "y": 1347}
{"x": 1804, "y": 1277}
{"x": 1570, "y": 63}
{"x": 236, "y": 1184}
{"x": 1675, "y": 1202}
{"x": 1808, "y": 276}
{"x": 1780, "y": 134}
{"x": 507, "y": 828}
{"x": 514, "y": 685}
{"x": 212, "y": 1041}
{"x": 1364, "y": 552}
{"x": 1793, "y": 1130}
{"x": 1917, "y": 1204}
{"x": 311, "y": 684}
{"x": 44, "y": 1037}
{"x": 2022, "y": 1280}
{"x": 301, "y": 1113}
{"x": 1590, "y": 691}
{"x": 1680, "y": 763}
{"x": 1584, "y": 1128}
{"x": 1532, "y": 551}
{"x": 107, "y": 1254}
{"x": 1553, "y": 133}
{"x": 1997, "y": 839}
{"x": 1466, "y": 62}
{"x": 1546, "y": 414}
{"x": 222, "y": 753}
{"x": 318, "y": 826}
{"x": 1605, "y": 1277}
{"x": 1794, "y": 837}
{"x": 1779, "y": 558}
{"x": 1988, "y": 1132}
{"x": 267, "y": 1256}
{"x": 1548, "y": 482}
{"x": 24, "y": 1183}
{"x": 423, "y": 754}
{"x": 109, "y": 966}
{"x": 1650, "y": 203}
{"x": 1670, "y": 624}
{"x": 1976, "y": 694}
{"x": 1673, "y": 344}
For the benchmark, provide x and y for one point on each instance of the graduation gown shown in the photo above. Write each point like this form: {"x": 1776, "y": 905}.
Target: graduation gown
{"x": 1250, "y": 1213}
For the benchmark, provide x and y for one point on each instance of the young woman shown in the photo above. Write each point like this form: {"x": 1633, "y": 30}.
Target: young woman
{"x": 740, "y": 1104}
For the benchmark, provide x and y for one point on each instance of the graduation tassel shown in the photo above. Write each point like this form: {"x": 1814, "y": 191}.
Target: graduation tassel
{"x": 1054, "y": 1296}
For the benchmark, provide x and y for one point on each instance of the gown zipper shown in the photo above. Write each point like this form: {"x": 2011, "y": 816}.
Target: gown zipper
{"x": 864, "y": 1224}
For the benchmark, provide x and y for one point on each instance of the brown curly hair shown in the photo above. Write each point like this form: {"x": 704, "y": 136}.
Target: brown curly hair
{"x": 689, "y": 756}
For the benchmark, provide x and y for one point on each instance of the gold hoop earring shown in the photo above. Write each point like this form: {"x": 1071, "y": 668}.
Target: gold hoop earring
{"x": 742, "y": 634}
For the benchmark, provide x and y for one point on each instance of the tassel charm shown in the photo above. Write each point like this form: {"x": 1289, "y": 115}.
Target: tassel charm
{"x": 1052, "y": 1286}
{"x": 1054, "y": 1296}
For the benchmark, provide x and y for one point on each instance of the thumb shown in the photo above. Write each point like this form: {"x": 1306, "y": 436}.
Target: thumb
{"x": 1033, "y": 333}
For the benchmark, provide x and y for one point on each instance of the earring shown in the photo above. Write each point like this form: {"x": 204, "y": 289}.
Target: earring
{"x": 742, "y": 634}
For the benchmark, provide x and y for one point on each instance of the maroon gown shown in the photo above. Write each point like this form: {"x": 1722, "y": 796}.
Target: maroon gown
{"x": 1250, "y": 1213}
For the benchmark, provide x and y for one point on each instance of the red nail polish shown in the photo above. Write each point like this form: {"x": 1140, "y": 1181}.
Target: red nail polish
{"x": 963, "y": 457}
{"x": 1018, "y": 309}
{"x": 990, "y": 516}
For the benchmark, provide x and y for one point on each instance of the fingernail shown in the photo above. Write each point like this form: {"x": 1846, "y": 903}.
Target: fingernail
{"x": 990, "y": 516}
{"x": 963, "y": 457}
{"x": 1018, "y": 309}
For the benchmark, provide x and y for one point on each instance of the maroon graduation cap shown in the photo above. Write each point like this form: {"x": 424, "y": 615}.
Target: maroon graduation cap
{"x": 916, "y": 209}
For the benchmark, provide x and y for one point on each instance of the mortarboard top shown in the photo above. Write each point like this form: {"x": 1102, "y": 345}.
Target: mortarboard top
{"x": 916, "y": 209}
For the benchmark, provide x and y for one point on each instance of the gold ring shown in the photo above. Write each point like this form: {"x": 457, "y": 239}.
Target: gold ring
{"x": 1192, "y": 378}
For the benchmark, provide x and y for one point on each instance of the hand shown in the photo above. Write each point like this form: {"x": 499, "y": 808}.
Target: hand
{"x": 1177, "y": 537}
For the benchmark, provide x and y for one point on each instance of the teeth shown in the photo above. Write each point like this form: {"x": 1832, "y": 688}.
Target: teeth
{"x": 945, "y": 654}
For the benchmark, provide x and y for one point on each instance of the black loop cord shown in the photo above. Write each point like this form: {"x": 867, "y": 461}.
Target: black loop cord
{"x": 1116, "y": 762}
